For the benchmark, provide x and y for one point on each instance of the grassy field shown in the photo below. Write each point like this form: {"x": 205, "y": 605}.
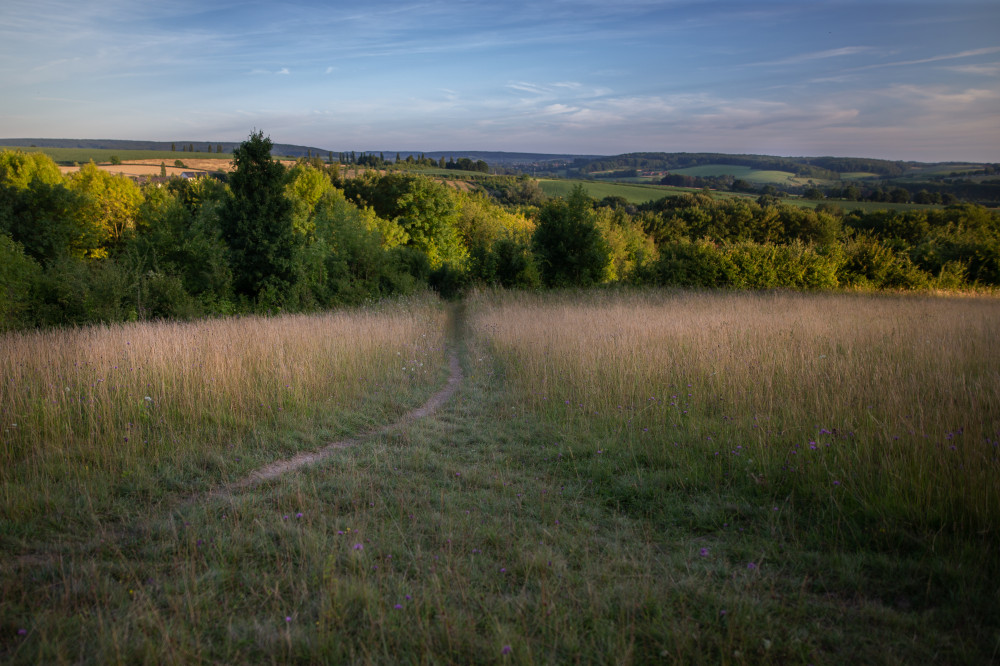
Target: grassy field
{"x": 622, "y": 477}
{"x": 633, "y": 193}
{"x": 66, "y": 156}
{"x": 758, "y": 176}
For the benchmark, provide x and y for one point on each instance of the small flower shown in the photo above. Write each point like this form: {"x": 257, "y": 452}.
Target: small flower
{"x": 703, "y": 552}
{"x": 359, "y": 546}
{"x": 751, "y": 566}
{"x": 288, "y": 618}
{"x": 298, "y": 515}
{"x": 506, "y": 650}
{"x": 398, "y": 606}
{"x": 22, "y": 632}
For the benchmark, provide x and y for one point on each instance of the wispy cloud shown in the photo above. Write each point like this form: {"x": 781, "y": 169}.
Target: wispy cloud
{"x": 938, "y": 58}
{"x": 986, "y": 69}
{"x": 802, "y": 58}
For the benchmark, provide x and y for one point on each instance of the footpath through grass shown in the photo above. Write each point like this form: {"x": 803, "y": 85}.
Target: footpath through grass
{"x": 560, "y": 509}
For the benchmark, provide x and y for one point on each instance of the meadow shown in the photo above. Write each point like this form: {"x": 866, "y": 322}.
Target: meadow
{"x": 622, "y": 476}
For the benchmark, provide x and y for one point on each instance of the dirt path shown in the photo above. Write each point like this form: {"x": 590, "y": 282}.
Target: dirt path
{"x": 281, "y": 467}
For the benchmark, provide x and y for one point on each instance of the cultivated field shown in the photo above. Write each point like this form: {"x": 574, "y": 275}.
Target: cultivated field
{"x": 627, "y": 477}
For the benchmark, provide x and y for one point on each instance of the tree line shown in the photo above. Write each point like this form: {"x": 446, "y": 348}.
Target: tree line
{"x": 98, "y": 247}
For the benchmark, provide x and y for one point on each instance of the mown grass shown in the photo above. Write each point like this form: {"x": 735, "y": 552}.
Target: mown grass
{"x": 516, "y": 527}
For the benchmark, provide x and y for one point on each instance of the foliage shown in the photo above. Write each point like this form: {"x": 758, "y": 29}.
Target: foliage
{"x": 109, "y": 204}
{"x": 256, "y": 221}
{"x": 570, "y": 249}
{"x": 425, "y": 211}
{"x": 98, "y": 247}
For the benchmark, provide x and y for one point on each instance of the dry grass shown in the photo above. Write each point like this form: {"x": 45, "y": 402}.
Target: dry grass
{"x": 901, "y": 395}
{"x": 98, "y": 408}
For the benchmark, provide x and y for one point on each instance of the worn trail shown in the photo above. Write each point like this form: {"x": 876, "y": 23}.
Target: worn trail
{"x": 281, "y": 467}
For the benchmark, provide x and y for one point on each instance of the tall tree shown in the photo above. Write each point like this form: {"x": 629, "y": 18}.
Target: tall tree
{"x": 569, "y": 246}
{"x": 256, "y": 220}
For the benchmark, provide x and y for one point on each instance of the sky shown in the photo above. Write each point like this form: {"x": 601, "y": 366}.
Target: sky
{"x": 893, "y": 79}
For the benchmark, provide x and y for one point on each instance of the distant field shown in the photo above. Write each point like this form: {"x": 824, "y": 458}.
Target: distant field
{"x": 943, "y": 170}
{"x": 746, "y": 173}
{"x": 857, "y": 175}
{"x": 633, "y": 193}
{"x": 68, "y": 156}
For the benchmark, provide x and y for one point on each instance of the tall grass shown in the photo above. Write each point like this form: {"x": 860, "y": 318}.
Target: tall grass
{"x": 887, "y": 406}
{"x": 559, "y": 509}
{"x": 135, "y": 411}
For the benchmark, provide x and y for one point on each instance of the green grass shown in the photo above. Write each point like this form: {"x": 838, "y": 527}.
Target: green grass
{"x": 68, "y": 156}
{"x": 598, "y": 190}
{"x": 758, "y": 176}
{"x": 560, "y": 509}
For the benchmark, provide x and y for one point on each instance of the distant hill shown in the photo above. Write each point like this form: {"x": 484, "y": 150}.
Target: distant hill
{"x": 806, "y": 167}
{"x": 284, "y": 149}
{"x": 498, "y": 158}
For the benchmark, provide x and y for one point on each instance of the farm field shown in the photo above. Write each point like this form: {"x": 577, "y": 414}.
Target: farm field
{"x": 633, "y": 193}
{"x": 67, "y": 156}
{"x": 627, "y": 476}
{"x": 749, "y": 174}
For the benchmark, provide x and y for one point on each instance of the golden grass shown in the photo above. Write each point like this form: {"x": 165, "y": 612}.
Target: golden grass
{"x": 103, "y": 402}
{"x": 905, "y": 389}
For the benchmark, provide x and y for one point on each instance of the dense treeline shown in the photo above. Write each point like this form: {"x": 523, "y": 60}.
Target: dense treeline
{"x": 99, "y": 247}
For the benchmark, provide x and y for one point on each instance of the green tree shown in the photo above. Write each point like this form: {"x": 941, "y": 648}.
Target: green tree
{"x": 17, "y": 272}
{"x": 18, "y": 169}
{"x": 173, "y": 147}
{"x": 568, "y": 245}
{"x": 110, "y": 203}
{"x": 424, "y": 210}
{"x": 256, "y": 221}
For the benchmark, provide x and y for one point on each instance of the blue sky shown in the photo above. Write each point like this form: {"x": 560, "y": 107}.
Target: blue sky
{"x": 902, "y": 79}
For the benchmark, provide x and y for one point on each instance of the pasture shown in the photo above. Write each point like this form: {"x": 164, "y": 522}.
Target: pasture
{"x": 630, "y": 476}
